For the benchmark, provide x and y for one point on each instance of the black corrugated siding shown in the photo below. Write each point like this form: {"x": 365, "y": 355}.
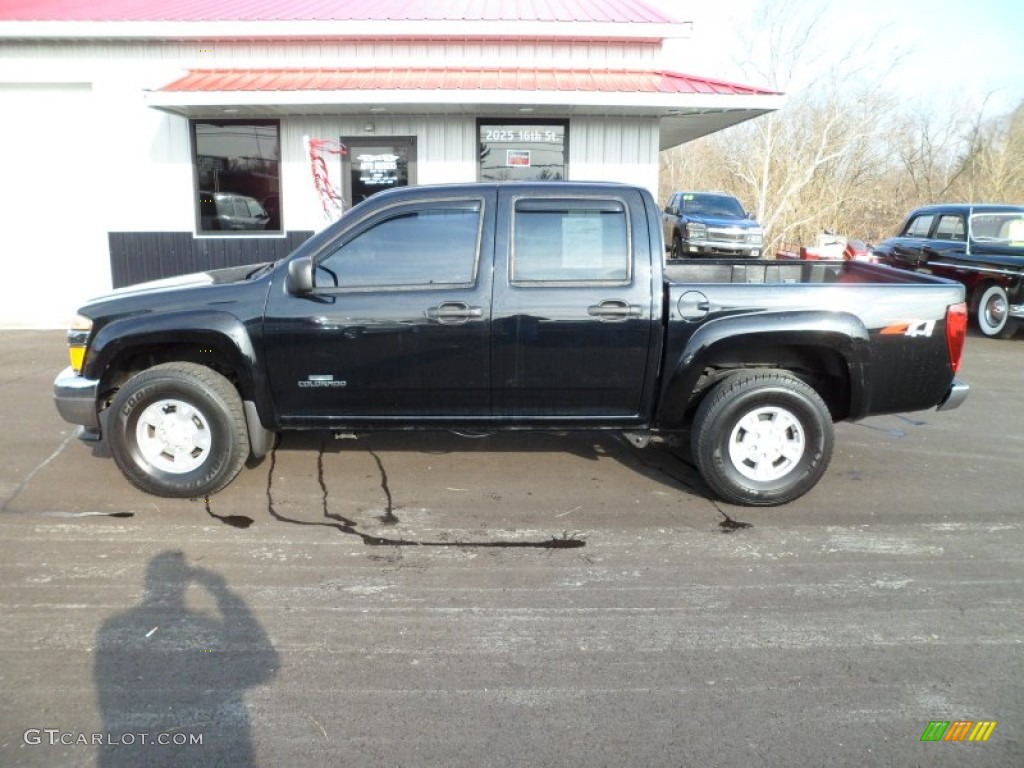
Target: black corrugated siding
{"x": 136, "y": 257}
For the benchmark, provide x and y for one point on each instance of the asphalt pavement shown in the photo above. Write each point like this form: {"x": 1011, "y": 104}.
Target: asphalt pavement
{"x": 406, "y": 599}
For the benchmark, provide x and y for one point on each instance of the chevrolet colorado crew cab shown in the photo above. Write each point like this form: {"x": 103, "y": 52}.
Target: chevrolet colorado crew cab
{"x": 981, "y": 246}
{"x": 542, "y": 305}
{"x": 709, "y": 224}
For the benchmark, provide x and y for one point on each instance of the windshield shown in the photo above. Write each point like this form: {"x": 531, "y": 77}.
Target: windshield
{"x": 1002, "y": 228}
{"x": 712, "y": 205}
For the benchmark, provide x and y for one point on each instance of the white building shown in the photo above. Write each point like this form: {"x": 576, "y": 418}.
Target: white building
{"x": 142, "y": 138}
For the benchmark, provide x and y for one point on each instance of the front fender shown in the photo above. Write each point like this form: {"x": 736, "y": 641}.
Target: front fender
{"x": 207, "y": 332}
{"x": 736, "y": 339}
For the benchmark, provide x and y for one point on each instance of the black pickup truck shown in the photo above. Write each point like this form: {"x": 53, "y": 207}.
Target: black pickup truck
{"x": 491, "y": 306}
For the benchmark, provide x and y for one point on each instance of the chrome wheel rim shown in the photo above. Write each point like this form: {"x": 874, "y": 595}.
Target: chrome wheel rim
{"x": 995, "y": 311}
{"x": 767, "y": 444}
{"x": 173, "y": 436}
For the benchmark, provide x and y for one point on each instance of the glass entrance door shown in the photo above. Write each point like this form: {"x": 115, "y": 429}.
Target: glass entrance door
{"x": 372, "y": 164}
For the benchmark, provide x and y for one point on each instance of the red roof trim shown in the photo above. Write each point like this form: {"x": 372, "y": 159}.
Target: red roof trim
{"x": 600, "y": 11}
{"x": 455, "y": 79}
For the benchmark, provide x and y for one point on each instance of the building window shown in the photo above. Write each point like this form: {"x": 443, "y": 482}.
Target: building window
{"x": 238, "y": 176}
{"x": 523, "y": 150}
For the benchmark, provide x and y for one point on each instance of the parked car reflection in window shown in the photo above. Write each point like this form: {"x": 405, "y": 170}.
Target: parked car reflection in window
{"x": 228, "y": 211}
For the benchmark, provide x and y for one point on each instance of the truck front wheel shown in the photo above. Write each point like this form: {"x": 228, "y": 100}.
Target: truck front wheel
{"x": 762, "y": 438}
{"x": 178, "y": 430}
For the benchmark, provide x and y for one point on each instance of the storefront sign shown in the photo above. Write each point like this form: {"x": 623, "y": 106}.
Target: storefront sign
{"x": 378, "y": 170}
{"x": 517, "y": 157}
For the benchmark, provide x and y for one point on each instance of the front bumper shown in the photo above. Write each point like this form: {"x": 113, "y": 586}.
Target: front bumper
{"x": 955, "y": 397}
{"x": 721, "y": 248}
{"x": 75, "y": 397}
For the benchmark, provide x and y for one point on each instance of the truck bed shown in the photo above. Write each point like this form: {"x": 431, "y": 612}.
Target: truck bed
{"x": 717, "y": 271}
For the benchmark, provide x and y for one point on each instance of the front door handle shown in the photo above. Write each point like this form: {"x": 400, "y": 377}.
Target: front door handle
{"x": 614, "y": 309}
{"x": 453, "y": 312}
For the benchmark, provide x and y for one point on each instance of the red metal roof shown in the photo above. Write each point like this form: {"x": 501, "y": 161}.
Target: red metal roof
{"x": 455, "y": 78}
{"x": 615, "y": 11}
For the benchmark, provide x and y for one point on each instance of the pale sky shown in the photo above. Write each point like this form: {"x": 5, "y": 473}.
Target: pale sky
{"x": 947, "y": 49}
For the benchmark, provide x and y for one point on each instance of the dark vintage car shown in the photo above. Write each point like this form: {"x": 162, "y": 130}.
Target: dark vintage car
{"x": 981, "y": 246}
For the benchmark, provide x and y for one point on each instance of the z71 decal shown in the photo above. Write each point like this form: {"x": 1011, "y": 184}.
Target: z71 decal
{"x": 910, "y": 328}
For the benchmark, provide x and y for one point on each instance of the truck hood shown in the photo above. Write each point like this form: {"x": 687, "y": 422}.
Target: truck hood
{"x": 717, "y": 221}
{"x": 211, "y": 277}
{"x": 220, "y": 287}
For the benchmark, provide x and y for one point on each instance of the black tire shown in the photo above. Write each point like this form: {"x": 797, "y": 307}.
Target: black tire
{"x": 796, "y": 422}
{"x": 991, "y": 312}
{"x": 677, "y": 247}
{"x": 178, "y": 430}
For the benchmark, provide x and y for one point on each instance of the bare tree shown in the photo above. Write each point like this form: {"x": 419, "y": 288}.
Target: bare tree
{"x": 994, "y": 170}
{"x": 804, "y": 168}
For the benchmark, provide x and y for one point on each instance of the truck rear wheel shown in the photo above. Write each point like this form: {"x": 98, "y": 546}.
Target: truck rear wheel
{"x": 178, "y": 430}
{"x": 992, "y": 312}
{"x": 762, "y": 438}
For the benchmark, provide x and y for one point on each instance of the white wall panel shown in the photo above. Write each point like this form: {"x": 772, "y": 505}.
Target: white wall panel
{"x": 614, "y": 149}
{"x": 54, "y": 244}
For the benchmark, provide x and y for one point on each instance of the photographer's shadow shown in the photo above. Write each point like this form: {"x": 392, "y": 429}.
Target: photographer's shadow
{"x": 171, "y": 681}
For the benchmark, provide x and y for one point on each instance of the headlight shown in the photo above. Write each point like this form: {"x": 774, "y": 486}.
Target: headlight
{"x": 78, "y": 341}
{"x": 755, "y": 238}
{"x": 696, "y": 231}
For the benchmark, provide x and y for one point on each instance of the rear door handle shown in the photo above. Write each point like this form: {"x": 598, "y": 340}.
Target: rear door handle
{"x": 614, "y": 309}
{"x": 454, "y": 312}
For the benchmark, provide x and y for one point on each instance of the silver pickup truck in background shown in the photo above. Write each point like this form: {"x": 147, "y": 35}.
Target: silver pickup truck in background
{"x": 700, "y": 224}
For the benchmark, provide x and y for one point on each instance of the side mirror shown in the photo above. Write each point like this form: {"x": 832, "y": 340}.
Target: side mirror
{"x": 300, "y": 276}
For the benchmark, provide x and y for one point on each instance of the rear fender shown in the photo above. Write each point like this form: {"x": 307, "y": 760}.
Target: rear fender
{"x": 736, "y": 340}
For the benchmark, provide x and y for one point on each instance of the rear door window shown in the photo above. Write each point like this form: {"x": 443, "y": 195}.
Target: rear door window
{"x": 919, "y": 226}
{"x": 570, "y": 241}
{"x": 950, "y": 227}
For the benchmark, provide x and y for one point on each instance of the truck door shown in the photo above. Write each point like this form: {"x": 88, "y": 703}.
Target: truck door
{"x": 573, "y": 309}
{"x": 398, "y": 324}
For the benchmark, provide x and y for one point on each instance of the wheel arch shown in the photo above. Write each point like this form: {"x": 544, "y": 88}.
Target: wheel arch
{"x": 828, "y": 351}
{"x": 214, "y": 339}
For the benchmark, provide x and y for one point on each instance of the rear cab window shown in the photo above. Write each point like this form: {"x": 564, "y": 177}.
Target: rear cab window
{"x": 570, "y": 241}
